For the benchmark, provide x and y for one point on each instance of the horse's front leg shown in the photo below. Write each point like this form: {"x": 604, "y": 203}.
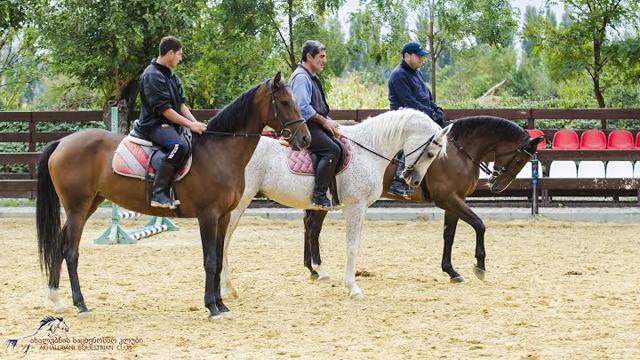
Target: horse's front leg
{"x": 459, "y": 209}
{"x": 313, "y": 220}
{"x": 212, "y": 249}
{"x": 227, "y": 290}
{"x": 354, "y": 216}
{"x": 476, "y": 223}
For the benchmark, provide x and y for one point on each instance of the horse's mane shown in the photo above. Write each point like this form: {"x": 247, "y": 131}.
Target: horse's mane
{"x": 484, "y": 125}
{"x": 48, "y": 319}
{"x": 235, "y": 115}
{"x": 389, "y": 125}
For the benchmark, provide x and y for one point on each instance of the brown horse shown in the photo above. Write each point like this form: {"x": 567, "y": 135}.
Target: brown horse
{"x": 451, "y": 179}
{"x": 76, "y": 171}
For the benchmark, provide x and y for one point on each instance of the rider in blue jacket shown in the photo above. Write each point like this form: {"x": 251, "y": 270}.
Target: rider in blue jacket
{"x": 407, "y": 89}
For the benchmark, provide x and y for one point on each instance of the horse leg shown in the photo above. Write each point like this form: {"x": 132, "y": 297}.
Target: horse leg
{"x": 227, "y": 290}
{"x": 354, "y": 216}
{"x": 313, "y": 220}
{"x": 476, "y": 223}
{"x": 461, "y": 210}
{"x": 211, "y": 248}
{"x": 223, "y": 226}
{"x": 450, "y": 224}
{"x": 54, "y": 275}
{"x": 72, "y": 231}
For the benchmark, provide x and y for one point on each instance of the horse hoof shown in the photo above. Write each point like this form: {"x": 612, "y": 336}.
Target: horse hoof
{"x": 314, "y": 276}
{"x": 216, "y": 317}
{"x": 84, "y": 314}
{"x": 457, "y": 279}
{"x": 324, "y": 277}
{"x": 227, "y": 315}
{"x": 480, "y": 273}
{"x": 357, "y": 295}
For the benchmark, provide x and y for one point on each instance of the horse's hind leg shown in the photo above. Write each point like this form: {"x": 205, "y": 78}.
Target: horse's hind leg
{"x": 71, "y": 233}
{"x": 73, "y": 229}
{"x": 313, "y": 220}
{"x": 450, "y": 225}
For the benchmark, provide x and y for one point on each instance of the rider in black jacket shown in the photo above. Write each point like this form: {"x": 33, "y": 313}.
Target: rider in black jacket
{"x": 163, "y": 115}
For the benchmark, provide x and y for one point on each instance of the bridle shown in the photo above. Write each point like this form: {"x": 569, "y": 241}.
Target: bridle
{"x": 498, "y": 171}
{"x": 501, "y": 169}
{"x": 409, "y": 170}
{"x": 285, "y": 131}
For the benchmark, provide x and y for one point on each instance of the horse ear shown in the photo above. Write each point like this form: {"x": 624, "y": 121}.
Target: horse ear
{"x": 277, "y": 79}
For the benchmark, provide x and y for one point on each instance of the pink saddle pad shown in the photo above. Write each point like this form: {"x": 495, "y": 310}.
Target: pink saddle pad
{"x": 300, "y": 162}
{"x": 131, "y": 159}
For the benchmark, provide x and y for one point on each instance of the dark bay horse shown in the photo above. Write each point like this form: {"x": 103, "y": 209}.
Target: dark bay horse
{"x": 451, "y": 179}
{"x": 76, "y": 172}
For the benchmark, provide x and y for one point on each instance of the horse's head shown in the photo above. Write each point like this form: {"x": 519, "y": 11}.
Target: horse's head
{"x": 62, "y": 325}
{"x": 284, "y": 114}
{"x": 419, "y": 159}
{"x": 510, "y": 158}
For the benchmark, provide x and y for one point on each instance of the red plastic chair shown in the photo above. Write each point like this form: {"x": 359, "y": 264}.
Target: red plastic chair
{"x": 593, "y": 139}
{"x": 534, "y": 133}
{"x": 620, "y": 139}
{"x": 565, "y": 139}
{"x": 638, "y": 141}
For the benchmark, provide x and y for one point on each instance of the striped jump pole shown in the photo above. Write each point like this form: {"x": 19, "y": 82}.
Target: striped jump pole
{"x": 116, "y": 234}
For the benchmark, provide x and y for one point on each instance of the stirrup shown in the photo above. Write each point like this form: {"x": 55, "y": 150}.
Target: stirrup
{"x": 405, "y": 194}
{"x": 157, "y": 204}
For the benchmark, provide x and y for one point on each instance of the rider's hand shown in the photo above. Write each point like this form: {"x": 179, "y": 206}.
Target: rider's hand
{"x": 197, "y": 127}
{"x": 333, "y": 127}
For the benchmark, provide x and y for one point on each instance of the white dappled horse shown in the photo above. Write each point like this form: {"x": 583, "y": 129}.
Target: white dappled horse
{"x": 358, "y": 186}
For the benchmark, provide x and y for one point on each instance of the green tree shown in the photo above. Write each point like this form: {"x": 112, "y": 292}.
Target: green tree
{"x": 232, "y": 48}
{"x": 444, "y": 24}
{"x": 298, "y": 16}
{"x": 106, "y": 44}
{"x": 582, "y": 43}
{"x": 19, "y": 60}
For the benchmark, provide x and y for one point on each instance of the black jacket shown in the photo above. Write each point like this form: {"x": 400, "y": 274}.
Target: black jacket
{"x": 160, "y": 90}
{"x": 408, "y": 89}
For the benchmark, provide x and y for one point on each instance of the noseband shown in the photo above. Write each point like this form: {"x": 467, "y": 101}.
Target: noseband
{"x": 285, "y": 132}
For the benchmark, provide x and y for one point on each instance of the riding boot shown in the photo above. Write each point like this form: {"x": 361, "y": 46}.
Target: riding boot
{"x": 399, "y": 186}
{"x": 325, "y": 169}
{"x": 161, "y": 186}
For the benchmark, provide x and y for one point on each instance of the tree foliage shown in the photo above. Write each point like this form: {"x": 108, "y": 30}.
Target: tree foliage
{"x": 584, "y": 42}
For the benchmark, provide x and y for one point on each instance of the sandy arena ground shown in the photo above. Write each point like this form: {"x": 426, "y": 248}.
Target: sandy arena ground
{"x": 553, "y": 290}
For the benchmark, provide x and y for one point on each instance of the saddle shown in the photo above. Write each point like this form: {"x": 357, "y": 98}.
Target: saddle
{"x": 302, "y": 162}
{"x": 134, "y": 155}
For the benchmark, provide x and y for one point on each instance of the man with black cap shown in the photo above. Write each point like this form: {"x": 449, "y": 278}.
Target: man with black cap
{"x": 407, "y": 88}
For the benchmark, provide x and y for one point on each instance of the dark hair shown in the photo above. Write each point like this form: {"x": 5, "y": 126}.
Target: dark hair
{"x": 169, "y": 43}
{"x": 312, "y": 47}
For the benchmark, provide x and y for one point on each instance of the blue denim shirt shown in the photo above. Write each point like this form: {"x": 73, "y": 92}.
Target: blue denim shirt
{"x": 302, "y": 89}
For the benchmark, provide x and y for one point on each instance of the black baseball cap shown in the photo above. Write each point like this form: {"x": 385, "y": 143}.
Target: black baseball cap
{"x": 413, "y": 47}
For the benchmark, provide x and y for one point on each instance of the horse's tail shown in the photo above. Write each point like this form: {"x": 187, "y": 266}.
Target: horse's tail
{"x": 50, "y": 240}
